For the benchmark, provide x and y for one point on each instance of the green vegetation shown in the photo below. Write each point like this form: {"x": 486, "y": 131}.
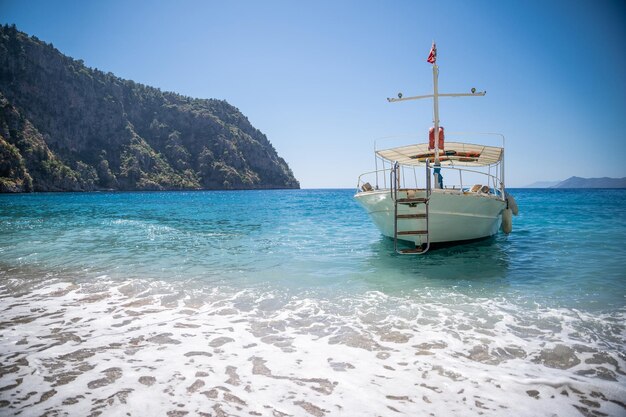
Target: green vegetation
{"x": 67, "y": 127}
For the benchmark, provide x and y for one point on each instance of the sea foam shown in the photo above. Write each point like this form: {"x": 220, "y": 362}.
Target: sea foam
{"x": 158, "y": 348}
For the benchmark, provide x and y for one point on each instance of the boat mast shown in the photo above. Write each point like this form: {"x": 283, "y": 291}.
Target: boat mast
{"x": 432, "y": 59}
{"x": 436, "y": 110}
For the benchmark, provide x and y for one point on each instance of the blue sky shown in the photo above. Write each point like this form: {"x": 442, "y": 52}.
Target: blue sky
{"x": 314, "y": 75}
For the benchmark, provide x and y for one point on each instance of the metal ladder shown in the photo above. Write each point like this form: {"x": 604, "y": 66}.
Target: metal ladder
{"x": 410, "y": 202}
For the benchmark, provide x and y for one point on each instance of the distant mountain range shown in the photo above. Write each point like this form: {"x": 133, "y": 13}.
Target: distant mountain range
{"x": 67, "y": 127}
{"x": 578, "y": 182}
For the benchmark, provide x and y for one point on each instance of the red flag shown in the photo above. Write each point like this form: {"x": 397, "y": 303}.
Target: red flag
{"x": 432, "y": 56}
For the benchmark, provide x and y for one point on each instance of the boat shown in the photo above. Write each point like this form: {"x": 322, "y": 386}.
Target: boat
{"x": 406, "y": 197}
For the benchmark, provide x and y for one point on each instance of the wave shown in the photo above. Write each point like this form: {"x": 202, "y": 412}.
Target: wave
{"x": 158, "y": 347}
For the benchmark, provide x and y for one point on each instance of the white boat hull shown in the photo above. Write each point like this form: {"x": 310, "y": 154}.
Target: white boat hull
{"x": 453, "y": 216}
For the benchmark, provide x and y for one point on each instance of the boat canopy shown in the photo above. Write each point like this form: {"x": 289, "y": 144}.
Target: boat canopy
{"x": 454, "y": 154}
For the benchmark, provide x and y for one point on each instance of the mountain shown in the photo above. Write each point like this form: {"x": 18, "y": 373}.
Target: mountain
{"x": 605, "y": 182}
{"x": 67, "y": 127}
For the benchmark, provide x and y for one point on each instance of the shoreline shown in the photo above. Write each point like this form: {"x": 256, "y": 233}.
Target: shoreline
{"x": 136, "y": 346}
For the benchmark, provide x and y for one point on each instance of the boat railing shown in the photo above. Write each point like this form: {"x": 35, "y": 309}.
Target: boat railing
{"x": 369, "y": 181}
{"x": 493, "y": 181}
{"x": 409, "y": 177}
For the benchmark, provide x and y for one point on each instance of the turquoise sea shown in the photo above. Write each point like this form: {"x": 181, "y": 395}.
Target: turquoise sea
{"x": 290, "y": 302}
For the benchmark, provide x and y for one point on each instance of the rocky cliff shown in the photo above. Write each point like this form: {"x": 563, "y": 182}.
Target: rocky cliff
{"x": 67, "y": 127}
